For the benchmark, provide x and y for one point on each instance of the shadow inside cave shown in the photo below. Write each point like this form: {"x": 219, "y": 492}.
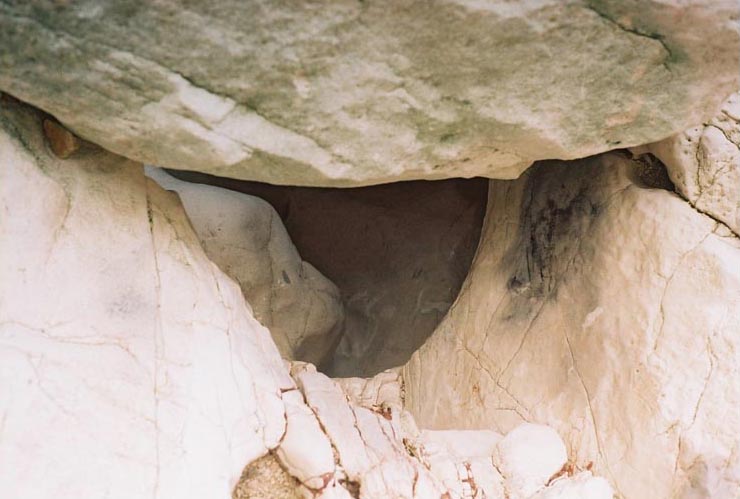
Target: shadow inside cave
{"x": 398, "y": 252}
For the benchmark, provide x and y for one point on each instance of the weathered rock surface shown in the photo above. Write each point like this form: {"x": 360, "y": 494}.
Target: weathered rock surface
{"x": 131, "y": 366}
{"x": 610, "y": 311}
{"x": 354, "y": 93}
{"x": 398, "y": 253}
{"x": 62, "y": 142}
{"x": 244, "y": 236}
{"x": 704, "y": 164}
{"x": 379, "y": 445}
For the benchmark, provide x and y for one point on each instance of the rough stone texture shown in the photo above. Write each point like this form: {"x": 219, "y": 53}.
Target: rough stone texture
{"x": 607, "y": 310}
{"x": 264, "y": 478}
{"x": 398, "y": 253}
{"x": 381, "y": 448}
{"x": 704, "y": 163}
{"x": 246, "y": 239}
{"x": 131, "y": 366}
{"x": 352, "y": 93}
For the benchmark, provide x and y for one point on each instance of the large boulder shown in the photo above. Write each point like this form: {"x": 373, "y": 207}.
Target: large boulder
{"x": 704, "y": 163}
{"x": 244, "y": 236}
{"x": 131, "y": 366}
{"x": 350, "y": 93}
{"x": 607, "y": 309}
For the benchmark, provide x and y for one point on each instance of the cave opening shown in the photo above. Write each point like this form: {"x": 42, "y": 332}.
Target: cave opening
{"x": 397, "y": 252}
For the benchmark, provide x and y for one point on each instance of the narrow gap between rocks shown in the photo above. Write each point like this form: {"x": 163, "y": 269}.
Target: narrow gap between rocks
{"x": 398, "y": 253}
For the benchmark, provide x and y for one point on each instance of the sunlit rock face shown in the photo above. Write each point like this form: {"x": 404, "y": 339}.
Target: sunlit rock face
{"x": 353, "y": 93}
{"x": 131, "y": 366}
{"x": 704, "y": 163}
{"x": 608, "y": 309}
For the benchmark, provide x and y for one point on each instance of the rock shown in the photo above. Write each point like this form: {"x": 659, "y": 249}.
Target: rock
{"x": 355, "y": 93}
{"x": 383, "y": 389}
{"x": 704, "y": 164}
{"x": 398, "y": 254}
{"x": 244, "y": 236}
{"x": 305, "y": 451}
{"x": 581, "y": 486}
{"x": 61, "y": 141}
{"x": 131, "y": 366}
{"x": 606, "y": 310}
{"x": 463, "y": 460}
{"x": 390, "y": 459}
{"x": 529, "y": 456}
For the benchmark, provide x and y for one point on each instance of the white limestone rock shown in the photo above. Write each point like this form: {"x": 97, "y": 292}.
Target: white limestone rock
{"x": 130, "y": 365}
{"x": 245, "y": 237}
{"x": 462, "y": 444}
{"x": 382, "y": 390}
{"x": 704, "y": 163}
{"x": 305, "y": 450}
{"x": 354, "y": 93}
{"x": 390, "y": 459}
{"x": 606, "y": 310}
{"x": 581, "y": 486}
{"x": 463, "y": 460}
{"x": 528, "y": 457}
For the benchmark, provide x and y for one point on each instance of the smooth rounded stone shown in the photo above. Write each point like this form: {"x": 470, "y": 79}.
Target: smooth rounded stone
{"x": 340, "y": 93}
{"x": 606, "y": 310}
{"x": 244, "y": 236}
{"x": 528, "y": 456}
{"x": 398, "y": 254}
{"x": 704, "y": 163}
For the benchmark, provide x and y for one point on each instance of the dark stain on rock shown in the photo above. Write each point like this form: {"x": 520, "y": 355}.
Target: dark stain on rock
{"x": 649, "y": 172}
{"x": 554, "y": 220}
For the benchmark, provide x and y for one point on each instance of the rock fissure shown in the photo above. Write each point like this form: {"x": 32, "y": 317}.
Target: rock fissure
{"x": 156, "y": 345}
{"x": 590, "y": 407}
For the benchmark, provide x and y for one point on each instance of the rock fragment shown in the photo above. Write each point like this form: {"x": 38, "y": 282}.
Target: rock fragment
{"x": 61, "y": 141}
